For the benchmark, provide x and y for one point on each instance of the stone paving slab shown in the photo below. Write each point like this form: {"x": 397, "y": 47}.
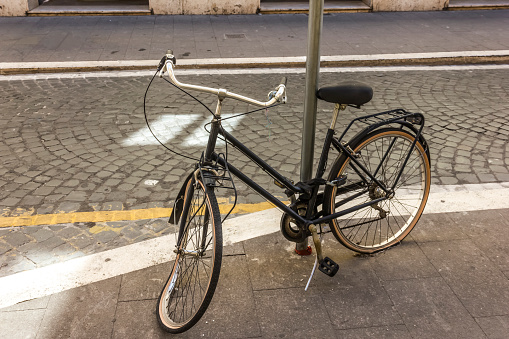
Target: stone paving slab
{"x": 430, "y": 309}
{"x": 82, "y": 312}
{"x": 197, "y": 37}
{"x": 12, "y": 327}
{"x": 479, "y": 277}
{"x": 428, "y": 288}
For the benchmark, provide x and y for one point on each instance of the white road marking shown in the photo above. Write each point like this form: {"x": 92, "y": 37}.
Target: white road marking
{"x": 86, "y": 270}
{"x": 166, "y": 127}
{"x": 171, "y": 126}
{"x": 151, "y": 182}
{"x": 200, "y": 136}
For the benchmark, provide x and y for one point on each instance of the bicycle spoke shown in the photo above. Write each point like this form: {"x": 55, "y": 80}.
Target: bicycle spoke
{"x": 188, "y": 290}
{"x": 388, "y": 221}
{"x": 367, "y": 212}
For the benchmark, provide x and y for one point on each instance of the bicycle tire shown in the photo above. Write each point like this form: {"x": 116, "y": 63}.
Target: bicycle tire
{"x": 195, "y": 273}
{"x": 384, "y": 224}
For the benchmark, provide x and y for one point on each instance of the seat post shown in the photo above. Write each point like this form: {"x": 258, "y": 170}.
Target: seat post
{"x": 337, "y": 108}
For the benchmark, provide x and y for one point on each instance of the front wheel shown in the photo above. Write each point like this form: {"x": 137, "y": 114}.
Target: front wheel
{"x": 193, "y": 279}
{"x": 387, "y": 222}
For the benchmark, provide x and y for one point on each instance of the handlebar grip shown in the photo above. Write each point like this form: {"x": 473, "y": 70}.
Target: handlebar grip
{"x": 284, "y": 80}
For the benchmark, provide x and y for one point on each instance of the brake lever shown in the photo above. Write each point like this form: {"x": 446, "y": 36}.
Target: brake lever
{"x": 162, "y": 63}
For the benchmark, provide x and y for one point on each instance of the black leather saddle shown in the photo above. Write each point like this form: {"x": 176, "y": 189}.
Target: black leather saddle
{"x": 346, "y": 93}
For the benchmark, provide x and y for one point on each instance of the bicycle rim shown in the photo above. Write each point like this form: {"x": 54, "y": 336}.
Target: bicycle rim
{"x": 385, "y": 223}
{"x": 192, "y": 282}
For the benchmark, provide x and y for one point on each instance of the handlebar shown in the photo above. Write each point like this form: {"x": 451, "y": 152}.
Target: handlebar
{"x": 169, "y": 61}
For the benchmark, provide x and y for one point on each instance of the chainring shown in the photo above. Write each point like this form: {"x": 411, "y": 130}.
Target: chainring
{"x": 289, "y": 228}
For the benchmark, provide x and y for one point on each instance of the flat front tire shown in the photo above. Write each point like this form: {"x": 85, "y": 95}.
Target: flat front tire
{"x": 195, "y": 273}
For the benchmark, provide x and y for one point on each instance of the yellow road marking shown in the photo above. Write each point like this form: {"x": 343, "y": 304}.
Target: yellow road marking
{"x": 105, "y": 216}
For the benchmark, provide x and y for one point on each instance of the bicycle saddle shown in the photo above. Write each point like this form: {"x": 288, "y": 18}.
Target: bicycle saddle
{"x": 346, "y": 93}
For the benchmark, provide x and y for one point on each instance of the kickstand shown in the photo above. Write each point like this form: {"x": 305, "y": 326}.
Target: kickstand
{"x": 317, "y": 239}
{"x": 312, "y": 273}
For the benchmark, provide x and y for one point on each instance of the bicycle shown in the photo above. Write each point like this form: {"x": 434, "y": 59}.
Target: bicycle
{"x": 372, "y": 198}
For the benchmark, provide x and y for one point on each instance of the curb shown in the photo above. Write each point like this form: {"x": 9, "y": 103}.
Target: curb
{"x": 402, "y": 59}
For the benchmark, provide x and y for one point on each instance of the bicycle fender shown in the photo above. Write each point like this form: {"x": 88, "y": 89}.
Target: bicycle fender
{"x": 178, "y": 206}
{"x": 423, "y": 141}
{"x": 406, "y": 124}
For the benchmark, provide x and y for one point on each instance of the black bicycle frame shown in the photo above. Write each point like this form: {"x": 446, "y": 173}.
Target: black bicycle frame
{"x": 283, "y": 180}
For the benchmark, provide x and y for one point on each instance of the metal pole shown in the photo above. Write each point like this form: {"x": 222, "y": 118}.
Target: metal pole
{"x": 315, "y": 20}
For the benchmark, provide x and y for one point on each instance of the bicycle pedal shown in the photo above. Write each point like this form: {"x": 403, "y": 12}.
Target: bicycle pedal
{"x": 328, "y": 266}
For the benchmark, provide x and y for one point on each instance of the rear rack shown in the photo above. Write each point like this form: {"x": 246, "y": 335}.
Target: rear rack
{"x": 376, "y": 120}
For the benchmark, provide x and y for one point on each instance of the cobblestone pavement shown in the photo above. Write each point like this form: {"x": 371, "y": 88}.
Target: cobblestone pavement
{"x": 76, "y": 145}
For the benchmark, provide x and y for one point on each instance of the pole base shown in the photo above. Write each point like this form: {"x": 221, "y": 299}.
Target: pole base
{"x": 306, "y": 251}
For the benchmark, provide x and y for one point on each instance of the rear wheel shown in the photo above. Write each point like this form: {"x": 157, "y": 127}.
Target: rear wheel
{"x": 385, "y": 223}
{"x": 193, "y": 279}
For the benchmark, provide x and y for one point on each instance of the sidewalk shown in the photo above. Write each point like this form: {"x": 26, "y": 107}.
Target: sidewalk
{"x": 64, "y": 149}
{"x": 449, "y": 278}
{"x": 138, "y": 41}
